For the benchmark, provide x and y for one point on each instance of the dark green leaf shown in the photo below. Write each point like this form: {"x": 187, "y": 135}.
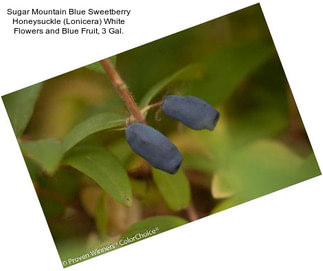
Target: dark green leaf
{"x": 52, "y": 208}
{"x": 65, "y": 183}
{"x": 47, "y": 153}
{"x": 97, "y": 67}
{"x": 265, "y": 94}
{"x": 20, "y": 106}
{"x": 33, "y": 169}
{"x": 191, "y": 72}
{"x": 92, "y": 125}
{"x": 174, "y": 188}
{"x": 104, "y": 168}
{"x": 226, "y": 69}
{"x": 154, "y": 225}
{"x": 267, "y": 122}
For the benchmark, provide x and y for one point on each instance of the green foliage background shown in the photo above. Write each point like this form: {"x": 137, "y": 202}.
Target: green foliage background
{"x": 94, "y": 190}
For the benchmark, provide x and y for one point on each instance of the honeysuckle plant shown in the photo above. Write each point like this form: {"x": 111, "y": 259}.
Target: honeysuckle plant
{"x": 114, "y": 173}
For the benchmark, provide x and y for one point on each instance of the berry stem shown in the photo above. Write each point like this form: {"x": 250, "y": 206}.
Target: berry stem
{"x": 191, "y": 212}
{"x": 122, "y": 89}
{"x": 148, "y": 107}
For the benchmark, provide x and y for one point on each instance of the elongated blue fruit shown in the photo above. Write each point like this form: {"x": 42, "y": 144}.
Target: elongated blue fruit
{"x": 153, "y": 146}
{"x": 191, "y": 111}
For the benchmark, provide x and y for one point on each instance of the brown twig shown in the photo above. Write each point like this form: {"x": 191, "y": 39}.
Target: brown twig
{"x": 191, "y": 212}
{"x": 123, "y": 90}
{"x": 50, "y": 194}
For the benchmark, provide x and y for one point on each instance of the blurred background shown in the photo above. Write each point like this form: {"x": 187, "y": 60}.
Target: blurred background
{"x": 259, "y": 145}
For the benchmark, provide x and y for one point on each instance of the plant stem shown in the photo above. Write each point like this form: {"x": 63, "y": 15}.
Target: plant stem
{"x": 50, "y": 194}
{"x": 123, "y": 90}
{"x": 191, "y": 212}
{"x": 148, "y": 107}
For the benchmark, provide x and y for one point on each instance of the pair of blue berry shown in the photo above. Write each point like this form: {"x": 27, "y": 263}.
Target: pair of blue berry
{"x": 157, "y": 149}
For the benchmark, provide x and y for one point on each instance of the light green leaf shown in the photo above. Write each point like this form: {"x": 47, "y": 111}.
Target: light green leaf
{"x": 92, "y": 125}
{"x": 101, "y": 215}
{"x": 226, "y": 69}
{"x": 191, "y": 72}
{"x": 223, "y": 185}
{"x": 20, "y": 106}
{"x": 260, "y": 168}
{"x": 97, "y": 67}
{"x": 174, "y": 188}
{"x": 89, "y": 197}
{"x": 198, "y": 161}
{"x": 104, "y": 168}
{"x": 47, "y": 153}
{"x": 217, "y": 145}
{"x": 154, "y": 225}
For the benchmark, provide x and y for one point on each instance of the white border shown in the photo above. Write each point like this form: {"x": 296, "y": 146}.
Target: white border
{"x": 280, "y": 231}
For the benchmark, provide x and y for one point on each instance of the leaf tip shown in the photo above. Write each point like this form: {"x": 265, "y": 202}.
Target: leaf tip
{"x": 128, "y": 201}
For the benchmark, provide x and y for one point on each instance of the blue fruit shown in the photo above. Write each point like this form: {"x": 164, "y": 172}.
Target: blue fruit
{"x": 192, "y": 111}
{"x": 153, "y": 146}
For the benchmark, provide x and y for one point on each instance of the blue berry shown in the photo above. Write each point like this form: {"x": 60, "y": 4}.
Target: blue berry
{"x": 153, "y": 146}
{"x": 192, "y": 111}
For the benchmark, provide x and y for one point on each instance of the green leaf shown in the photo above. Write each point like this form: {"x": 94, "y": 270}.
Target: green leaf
{"x": 101, "y": 215}
{"x": 174, "y": 188}
{"x": 225, "y": 70}
{"x": 104, "y": 168}
{"x": 309, "y": 168}
{"x": 51, "y": 208}
{"x": 97, "y": 67}
{"x": 217, "y": 145}
{"x": 20, "y": 106}
{"x": 267, "y": 96}
{"x": 65, "y": 183}
{"x": 154, "y": 225}
{"x": 198, "y": 161}
{"x": 92, "y": 125}
{"x": 122, "y": 151}
{"x": 191, "y": 72}
{"x": 47, "y": 153}
{"x": 259, "y": 168}
{"x": 113, "y": 104}
{"x": 223, "y": 185}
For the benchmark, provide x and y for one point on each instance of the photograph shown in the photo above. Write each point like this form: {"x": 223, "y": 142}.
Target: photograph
{"x": 161, "y": 135}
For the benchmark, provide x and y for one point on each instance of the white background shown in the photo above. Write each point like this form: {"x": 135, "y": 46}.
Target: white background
{"x": 280, "y": 231}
